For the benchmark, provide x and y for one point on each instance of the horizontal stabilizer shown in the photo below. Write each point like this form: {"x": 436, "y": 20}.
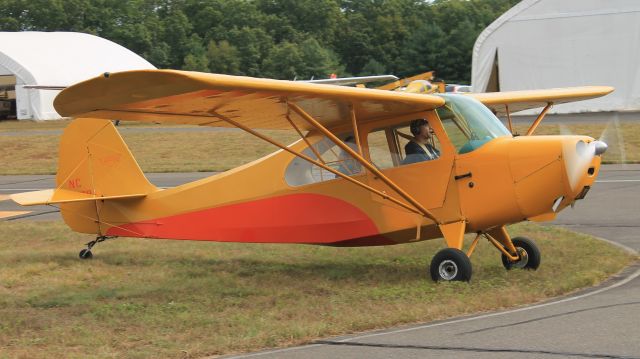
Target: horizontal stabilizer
{"x": 50, "y": 196}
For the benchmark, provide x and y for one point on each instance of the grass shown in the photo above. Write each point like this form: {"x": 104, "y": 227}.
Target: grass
{"x": 189, "y": 151}
{"x": 151, "y": 298}
{"x": 155, "y": 151}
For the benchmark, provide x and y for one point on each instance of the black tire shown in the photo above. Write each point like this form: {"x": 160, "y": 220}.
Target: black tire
{"x": 450, "y": 264}
{"x": 529, "y": 250}
{"x": 85, "y": 254}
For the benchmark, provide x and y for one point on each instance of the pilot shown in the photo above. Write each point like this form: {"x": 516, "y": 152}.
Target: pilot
{"x": 420, "y": 147}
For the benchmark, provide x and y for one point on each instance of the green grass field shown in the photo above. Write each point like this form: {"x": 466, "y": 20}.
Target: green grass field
{"x": 172, "y": 299}
{"x": 181, "y": 151}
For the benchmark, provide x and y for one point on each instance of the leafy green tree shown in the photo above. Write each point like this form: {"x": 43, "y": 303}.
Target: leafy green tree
{"x": 196, "y": 59}
{"x": 176, "y": 30}
{"x": 373, "y": 67}
{"x": 224, "y": 58}
{"x": 318, "y": 61}
{"x": 253, "y": 45}
{"x": 283, "y": 62}
{"x": 277, "y": 38}
{"x": 423, "y": 50}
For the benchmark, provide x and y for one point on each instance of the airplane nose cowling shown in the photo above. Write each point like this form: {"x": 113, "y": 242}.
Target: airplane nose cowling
{"x": 581, "y": 160}
{"x": 551, "y": 172}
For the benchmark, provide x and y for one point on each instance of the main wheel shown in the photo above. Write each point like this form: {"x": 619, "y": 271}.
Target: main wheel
{"x": 450, "y": 264}
{"x": 85, "y": 254}
{"x": 529, "y": 255}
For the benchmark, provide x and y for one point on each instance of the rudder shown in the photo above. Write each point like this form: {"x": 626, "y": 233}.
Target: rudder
{"x": 94, "y": 160}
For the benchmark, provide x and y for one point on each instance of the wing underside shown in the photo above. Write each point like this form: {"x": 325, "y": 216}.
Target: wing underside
{"x": 529, "y": 99}
{"x": 201, "y": 99}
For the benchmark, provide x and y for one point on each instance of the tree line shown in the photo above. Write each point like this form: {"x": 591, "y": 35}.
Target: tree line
{"x": 283, "y": 39}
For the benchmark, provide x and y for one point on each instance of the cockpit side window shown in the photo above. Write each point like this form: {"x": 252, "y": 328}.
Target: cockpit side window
{"x": 407, "y": 143}
{"x": 301, "y": 172}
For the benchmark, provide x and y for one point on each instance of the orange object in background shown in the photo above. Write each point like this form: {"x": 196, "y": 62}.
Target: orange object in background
{"x": 347, "y": 182}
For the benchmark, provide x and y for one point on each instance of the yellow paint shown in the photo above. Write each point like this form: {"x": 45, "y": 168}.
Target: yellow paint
{"x": 9, "y": 214}
{"x": 527, "y": 99}
{"x": 99, "y": 184}
{"x": 190, "y": 97}
{"x": 453, "y": 233}
{"x": 50, "y": 196}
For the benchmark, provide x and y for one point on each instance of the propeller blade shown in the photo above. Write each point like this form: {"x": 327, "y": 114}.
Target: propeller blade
{"x": 612, "y": 136}
{"x": 564, "y": 130}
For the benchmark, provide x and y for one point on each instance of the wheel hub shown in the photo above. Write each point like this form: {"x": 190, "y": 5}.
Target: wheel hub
{"x": 524, "y": 258}
{"x": 448, "y": 269}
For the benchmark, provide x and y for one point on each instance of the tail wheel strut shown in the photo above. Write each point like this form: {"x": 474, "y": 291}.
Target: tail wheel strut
{"x": 86, "y": 252}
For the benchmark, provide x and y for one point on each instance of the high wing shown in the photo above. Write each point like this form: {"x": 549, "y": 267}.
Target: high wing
{"x": 528, "y": 99}
{"x": 200, "y": 99}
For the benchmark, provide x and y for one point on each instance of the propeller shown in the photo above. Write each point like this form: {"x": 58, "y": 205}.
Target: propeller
{"x": 612, "y": 135}
{"x": 578, "y": 157}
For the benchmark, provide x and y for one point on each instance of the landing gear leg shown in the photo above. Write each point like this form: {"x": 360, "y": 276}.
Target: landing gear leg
{"x": 451, "y": 264}
{"x": 519, "y": 252}
{"x": 528, "y": 252}
{"x": 86, "y": 253}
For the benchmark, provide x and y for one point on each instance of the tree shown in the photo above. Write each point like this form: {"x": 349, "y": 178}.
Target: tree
{"x": 283, "y": 62}
{"x": 196, "y": 59}
{"x": 224, "y": 58}
{"x": 278, "y": 38}
{"x": 317, "y": 61}
{"x": 373, "y": 67}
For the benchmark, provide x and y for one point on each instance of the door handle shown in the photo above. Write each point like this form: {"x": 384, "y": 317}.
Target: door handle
{"x": 468, "y": 174}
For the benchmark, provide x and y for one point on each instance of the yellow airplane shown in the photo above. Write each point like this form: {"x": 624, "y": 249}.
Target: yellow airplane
{"x": 372, "y": 167}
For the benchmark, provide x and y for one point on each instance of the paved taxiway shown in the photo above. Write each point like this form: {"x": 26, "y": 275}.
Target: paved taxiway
{"x": 602, "y": 322}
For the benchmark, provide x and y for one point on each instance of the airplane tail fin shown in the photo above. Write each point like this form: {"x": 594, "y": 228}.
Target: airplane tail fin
{"x": 94, "y": 164}
{"x": 95, "y": 160}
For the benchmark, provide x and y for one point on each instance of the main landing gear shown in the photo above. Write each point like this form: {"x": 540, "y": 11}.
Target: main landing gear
{"x": 86, "y": 253}
{"x": 527, "y": 251}
{"x": 452, "y": 264}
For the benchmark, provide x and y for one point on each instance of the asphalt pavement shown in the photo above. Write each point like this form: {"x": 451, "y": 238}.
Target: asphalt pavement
{"x": 600, "y": 322}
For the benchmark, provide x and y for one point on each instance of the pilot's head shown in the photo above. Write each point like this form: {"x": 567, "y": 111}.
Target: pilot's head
{"x": 420, "y": 128}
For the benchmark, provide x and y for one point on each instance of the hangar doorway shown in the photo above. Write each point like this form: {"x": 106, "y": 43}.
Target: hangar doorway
{"x": 7, "y": 97}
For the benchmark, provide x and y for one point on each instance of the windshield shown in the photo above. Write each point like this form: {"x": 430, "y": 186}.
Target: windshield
{"x": 469, "y": 123}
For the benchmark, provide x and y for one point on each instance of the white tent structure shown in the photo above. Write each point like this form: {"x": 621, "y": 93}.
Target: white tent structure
{"x": 57, "y": 59}
{"x": 550, "y": 43}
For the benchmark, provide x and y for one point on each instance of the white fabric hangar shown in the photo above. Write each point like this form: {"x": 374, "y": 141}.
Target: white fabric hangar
{"x": 541, "y": 44}
{"x": 57, "y": 59}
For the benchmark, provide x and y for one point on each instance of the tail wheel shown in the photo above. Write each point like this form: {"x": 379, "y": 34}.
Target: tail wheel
{"x": 450, "y": 264}
{"x": 528, "y": 252}
{"x": 85, "y": 254}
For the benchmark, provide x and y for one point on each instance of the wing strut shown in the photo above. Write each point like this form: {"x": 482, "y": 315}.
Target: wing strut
{"x": 423, "y": 211}
{"x": 535, "y": 123}
{"x": 354, "y": 123}
{"x": 317, "y": 163}
{"x": 506, "y": 107}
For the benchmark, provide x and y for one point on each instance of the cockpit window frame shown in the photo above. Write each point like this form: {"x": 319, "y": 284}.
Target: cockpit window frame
{"x": 492, "y": 126}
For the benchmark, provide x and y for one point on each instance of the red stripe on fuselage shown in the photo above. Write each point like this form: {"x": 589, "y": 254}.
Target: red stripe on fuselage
{"x": 299, "y": 218}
